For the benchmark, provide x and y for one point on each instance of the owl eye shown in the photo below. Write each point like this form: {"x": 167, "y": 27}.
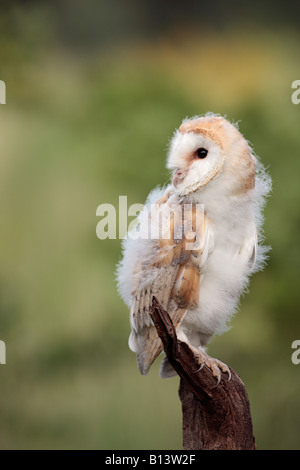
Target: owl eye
{"x": 202, "y": 152}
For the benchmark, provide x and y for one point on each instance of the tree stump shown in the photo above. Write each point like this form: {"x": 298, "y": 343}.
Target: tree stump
{"x": 213, "y": 417}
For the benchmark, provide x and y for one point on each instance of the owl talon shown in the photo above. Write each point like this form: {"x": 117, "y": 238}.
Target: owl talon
{"x": 215, "y": 365}
{"x": 218, "y": 381}
{"x": 224, "y": 368}
{"x": 229, "y": 375}
{"x": 200, "y": 368}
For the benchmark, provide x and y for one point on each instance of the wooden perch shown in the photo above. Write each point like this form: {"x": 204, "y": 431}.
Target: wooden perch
{"x": 213, "y": 418}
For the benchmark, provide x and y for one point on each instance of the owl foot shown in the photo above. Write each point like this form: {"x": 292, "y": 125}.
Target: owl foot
{"x": 215, "y": 365}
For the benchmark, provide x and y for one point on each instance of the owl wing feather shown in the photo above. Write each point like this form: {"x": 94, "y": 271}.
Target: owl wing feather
{"x": 175, "y": 282}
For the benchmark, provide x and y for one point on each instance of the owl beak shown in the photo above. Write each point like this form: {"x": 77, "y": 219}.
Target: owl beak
{"x": 179, "y": 176}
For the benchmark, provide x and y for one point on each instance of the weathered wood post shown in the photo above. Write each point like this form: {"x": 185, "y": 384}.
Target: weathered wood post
{"x": 213, "y": 418}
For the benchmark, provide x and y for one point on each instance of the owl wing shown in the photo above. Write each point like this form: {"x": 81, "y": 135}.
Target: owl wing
{"x": 175, "y": 281}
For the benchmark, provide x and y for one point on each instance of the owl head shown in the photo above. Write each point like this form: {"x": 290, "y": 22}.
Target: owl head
{"x": 210, "y": 148}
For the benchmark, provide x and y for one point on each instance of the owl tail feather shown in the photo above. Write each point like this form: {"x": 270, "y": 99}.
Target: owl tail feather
{"x": 147, "y": 346}
{"x": 166, "y": 371}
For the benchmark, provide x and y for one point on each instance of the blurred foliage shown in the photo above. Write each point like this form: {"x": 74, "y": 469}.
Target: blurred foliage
{"x": 82, "y": 127}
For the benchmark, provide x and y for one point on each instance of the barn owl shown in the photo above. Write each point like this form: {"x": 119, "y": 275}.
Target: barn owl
{"x": 197, "y": 271}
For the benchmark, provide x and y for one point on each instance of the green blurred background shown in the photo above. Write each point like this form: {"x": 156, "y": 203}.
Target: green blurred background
{"x": 95, "y": 90}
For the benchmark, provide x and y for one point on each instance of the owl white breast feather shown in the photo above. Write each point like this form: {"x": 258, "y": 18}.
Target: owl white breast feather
{"x": 197, "y": 242}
